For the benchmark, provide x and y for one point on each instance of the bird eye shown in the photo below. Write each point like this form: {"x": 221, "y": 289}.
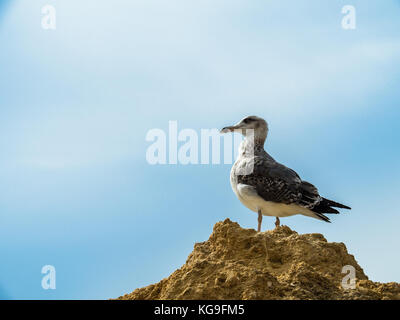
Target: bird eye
{"x": 248, "y": 120}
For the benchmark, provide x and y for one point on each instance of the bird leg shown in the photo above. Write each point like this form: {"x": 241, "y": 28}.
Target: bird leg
{"x": 259, "y": 220}
{"x": 277, "y": 222}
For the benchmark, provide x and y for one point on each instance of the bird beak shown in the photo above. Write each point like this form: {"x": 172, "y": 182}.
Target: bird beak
{"x": 229, "y": 129}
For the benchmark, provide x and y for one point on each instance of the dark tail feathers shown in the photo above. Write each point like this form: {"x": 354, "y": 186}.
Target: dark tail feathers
{"x": 325, "y": 206}
{"x": 335, "y": 204}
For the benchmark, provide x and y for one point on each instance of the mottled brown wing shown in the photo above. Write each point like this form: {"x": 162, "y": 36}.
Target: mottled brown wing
{"x": 278, "y": 183}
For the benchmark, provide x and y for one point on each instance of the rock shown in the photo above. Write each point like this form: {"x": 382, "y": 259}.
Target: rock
{"x": 236, "y": 263}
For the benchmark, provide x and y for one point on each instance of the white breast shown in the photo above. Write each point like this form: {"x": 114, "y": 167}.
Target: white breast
{"x": 249, "y": 197}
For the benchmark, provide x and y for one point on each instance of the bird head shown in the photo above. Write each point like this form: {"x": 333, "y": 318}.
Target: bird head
{"x": 250, "y": 125}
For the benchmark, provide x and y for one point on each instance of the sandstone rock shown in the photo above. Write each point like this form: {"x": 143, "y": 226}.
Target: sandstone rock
{"x": 236, "y": 263}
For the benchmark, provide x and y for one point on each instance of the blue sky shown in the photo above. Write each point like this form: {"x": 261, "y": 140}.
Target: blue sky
{"x": 76, "y": 103}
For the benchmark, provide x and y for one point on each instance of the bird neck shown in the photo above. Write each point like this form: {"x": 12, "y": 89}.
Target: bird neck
{"x": 252, "y": 146}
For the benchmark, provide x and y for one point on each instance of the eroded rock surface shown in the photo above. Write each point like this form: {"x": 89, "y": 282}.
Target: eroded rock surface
{"x": 237, "y": 263}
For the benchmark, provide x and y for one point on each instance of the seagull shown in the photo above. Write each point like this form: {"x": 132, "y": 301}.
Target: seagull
{"x": 267, "y": 187}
